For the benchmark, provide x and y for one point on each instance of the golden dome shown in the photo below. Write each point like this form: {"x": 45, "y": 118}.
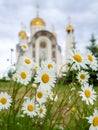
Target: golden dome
{"x": 23, "y": 35}
{"x": 37, "y": 21}
{"x": 69, "y": 28}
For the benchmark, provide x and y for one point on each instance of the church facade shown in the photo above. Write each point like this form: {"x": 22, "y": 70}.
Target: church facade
{"x": 42, "y": 44}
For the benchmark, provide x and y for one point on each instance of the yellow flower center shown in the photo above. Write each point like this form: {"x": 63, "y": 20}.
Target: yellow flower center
{"x": 27, "y": 61}
{"x": 88, "y": 93}
{"x": 50, "y": 66}
{"x": 39, "y": 94}
{"x": 45, "y": 78}
{"x": 3, "y": 100}
{"x": 30, "y": 107}
{"x": 90, "y": 57}
{"x": 95, "y": 121}
{"x": 23, "y": 75}
{"x": 47, "y": 90}
{"x": 73, "y": 109}
{"x": 77, "y": 57}
{"x": 41, "y": 111}
{"x": 82, "y": 76}
{"x": 24, "y": 46}
{"x": 36, "y": 67}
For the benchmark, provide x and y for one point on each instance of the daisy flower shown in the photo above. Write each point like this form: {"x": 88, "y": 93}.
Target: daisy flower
{"x": 78, "y": 60}
{"x": 49, "y": 65}
{"x": 93, "y": 120}
{"x": 5, "y": 100}
{"x": 24, "y": 76}
{"x": 48, "y": 91}
{"x": 24, "y": 46}
{"x": 91, "y": 61}
{"x": 41, "y": 111}
{"x": 88, "y": 94}
{"x": 15, "y": 77}
{"x": 41, "y": 95}
{"x": 83, "y": 77}
{"x": 34, "y": 85}
{"x": 26, "y": 61}
{"x": 45, "y": 77}
{"x": 53, "y": 97}
{"x": 73, "y": 109}
{"x": 29, "y": 108}
{"x": 36, "y": 66}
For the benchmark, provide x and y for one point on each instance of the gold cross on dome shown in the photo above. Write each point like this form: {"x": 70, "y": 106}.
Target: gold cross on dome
{"x": 69, "y": 20}
{"x": 37, "y": 10}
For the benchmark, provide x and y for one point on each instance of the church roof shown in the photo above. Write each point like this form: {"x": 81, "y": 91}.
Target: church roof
{"x": 23, "y": 35}
{"x": 69, "y": 28}
{"x": 37, "y": 21}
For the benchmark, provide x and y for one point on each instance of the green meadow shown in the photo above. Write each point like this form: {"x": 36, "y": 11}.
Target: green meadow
{"x": 67, "y": 113}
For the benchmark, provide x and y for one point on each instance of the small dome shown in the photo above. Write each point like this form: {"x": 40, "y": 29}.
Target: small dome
{"x": 37, "y": 21}
{"x": 69, "y": 28}
{"x": 23, "y": 35}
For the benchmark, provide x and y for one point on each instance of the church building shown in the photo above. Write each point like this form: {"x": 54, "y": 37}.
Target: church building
{"x": 42, "y": 43}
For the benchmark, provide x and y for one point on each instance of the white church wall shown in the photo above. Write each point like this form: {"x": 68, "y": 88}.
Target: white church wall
{"x": 69, "y": 45}
{"x": 48, "y": 47}
{"x": 35, "y": 29}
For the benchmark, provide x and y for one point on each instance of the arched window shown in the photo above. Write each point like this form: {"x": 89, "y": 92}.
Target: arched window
{"x": 43, "y": 44}
{"x": 53, "y": 54}
{"x": 43, "y": 50}
{"x": 53, "y": 46}
{"x": 33, "y": 45}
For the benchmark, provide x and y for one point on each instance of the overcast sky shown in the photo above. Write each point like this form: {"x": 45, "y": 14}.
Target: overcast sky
{"x": 83, "y": 13}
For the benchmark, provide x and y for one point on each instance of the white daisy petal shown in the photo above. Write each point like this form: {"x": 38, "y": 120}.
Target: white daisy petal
{"x": 5, "y": 100}
{"x": 29, "y": 108}
{"x": 41, "y": 95}
{"x": 93, "y": 120}
{"x": 88, "y": 94}
{"x": 77, "y": 59}
{"x": 91, "y": 60}
{"x": 41, "y": 111}
{"x": 24, "y": 46}
{"x": 53, "y": 96}
{"x": 49, "y": 65}
{"x": 45, "y": 77}
{"x": 24, "y": 76}
{"x": 27, "y": 62}
{"x": 83, "y": 77}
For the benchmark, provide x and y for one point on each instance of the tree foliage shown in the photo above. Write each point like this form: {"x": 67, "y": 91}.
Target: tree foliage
{"x": 93, "y": 47}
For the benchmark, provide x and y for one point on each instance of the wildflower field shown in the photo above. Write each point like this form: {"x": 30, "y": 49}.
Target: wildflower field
{"x": 39, "y": 98}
